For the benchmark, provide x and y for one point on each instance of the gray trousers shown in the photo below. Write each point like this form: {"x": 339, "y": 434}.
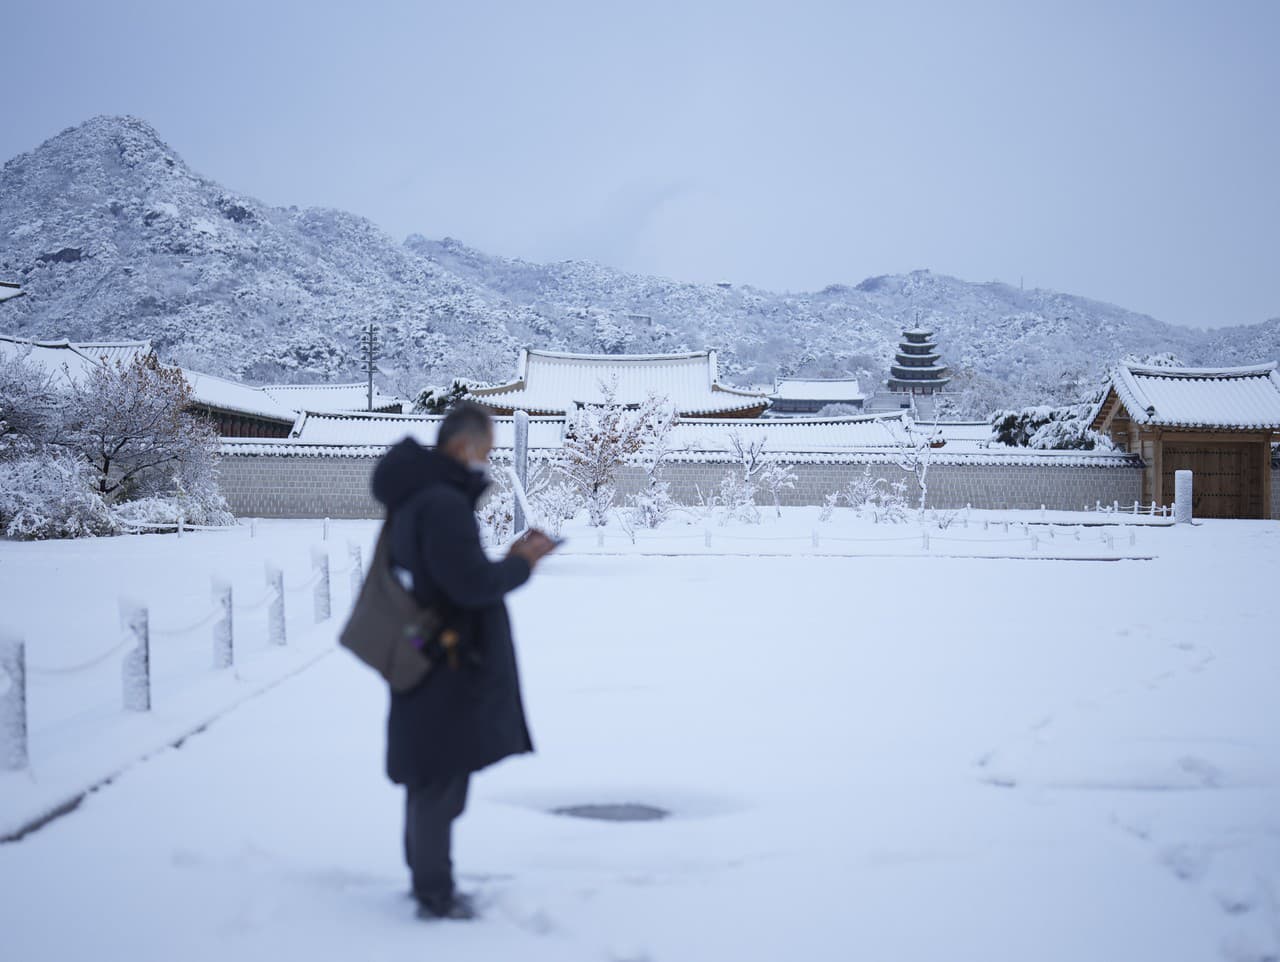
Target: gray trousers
{"x": 428, "y": 829}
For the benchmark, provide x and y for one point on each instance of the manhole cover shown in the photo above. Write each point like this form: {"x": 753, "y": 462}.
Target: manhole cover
{"x": 614, "y": 813}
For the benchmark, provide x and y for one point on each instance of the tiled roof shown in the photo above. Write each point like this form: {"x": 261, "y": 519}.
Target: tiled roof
{"x": 60, "y": 359}
{"x": 384, "y": 430}
{"x": 223, "y": 395}
{"x": 329, "y": 397}
{"x": 832, "y": 389}
{"x": 552, "y": 383}
{"x": 1238, "y": 399}
{"x": 122, "y": 352}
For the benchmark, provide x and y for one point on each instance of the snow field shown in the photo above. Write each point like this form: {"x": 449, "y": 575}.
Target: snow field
{"x": 906, "y": 758}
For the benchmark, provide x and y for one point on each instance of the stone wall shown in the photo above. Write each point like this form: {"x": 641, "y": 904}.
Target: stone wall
{"x": 314, "y": 486}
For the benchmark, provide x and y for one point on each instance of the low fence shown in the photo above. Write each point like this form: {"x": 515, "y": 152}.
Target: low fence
{"x": 138, "y": 629}
{"x": 312, "y": 482}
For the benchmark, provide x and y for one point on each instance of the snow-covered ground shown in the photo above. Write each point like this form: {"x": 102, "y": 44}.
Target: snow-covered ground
{"x": 912, "y": 757}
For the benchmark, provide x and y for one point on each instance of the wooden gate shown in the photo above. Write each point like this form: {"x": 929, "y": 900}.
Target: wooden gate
{"x": 1226, "y": 482}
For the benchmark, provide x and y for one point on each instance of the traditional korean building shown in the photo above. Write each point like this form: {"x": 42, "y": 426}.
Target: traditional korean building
{"x": 551, "y": 383}
{"x": 1218, "y": 423}
{"x": 793, "y": 395}
{"x": 918, "y": 367}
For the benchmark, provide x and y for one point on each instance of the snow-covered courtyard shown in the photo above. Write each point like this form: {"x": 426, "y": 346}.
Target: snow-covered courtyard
{"x": 868, "y": 750}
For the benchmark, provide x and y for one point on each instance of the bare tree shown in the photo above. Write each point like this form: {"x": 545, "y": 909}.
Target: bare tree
{"x": 599, "y": 439}
{"x": 129, "y": 421}
{"x": 914, "y": 451}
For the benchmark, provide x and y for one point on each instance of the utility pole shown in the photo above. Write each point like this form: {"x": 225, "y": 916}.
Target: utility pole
{"x": 369, "y": 346}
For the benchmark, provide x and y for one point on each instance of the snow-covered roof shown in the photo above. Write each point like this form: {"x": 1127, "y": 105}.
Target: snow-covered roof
{"x": 60, "y": 359}
{"x": 384, "y": 430}
{"x": 1233, "y": 399}
{"x": 223, "y": 395}
{"x": 9, "y": 291}
{"x": 329, "y": 397}
{"x": 121, "y": 352}
{"x": 831, "y": 389}
{"x": 998, "y": 455}
{"x": 789, "y": 435}
{"x": 549, "y": 382}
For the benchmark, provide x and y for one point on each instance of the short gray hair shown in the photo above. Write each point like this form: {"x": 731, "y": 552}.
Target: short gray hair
{"x": 466, "y": 420}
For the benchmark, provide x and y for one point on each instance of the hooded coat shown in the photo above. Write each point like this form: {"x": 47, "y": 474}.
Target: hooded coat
{"x": 463, "y": 718}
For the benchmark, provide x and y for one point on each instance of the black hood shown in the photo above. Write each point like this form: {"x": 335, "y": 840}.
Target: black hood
{"x": 408, "y": 468}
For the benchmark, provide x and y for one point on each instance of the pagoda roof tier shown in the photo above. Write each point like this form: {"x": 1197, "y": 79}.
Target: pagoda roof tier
{"x": 925, "y": 368}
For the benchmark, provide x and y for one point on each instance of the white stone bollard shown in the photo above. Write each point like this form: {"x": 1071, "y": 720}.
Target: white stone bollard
{"x": 1043, "y": 513}
{"x": 326, "y": 530}
{"x": 357, "y": 569}
{"x": 320, "y": 594}
{"x": 814, "y": 537}
{"x": 1182, "y": 497}
{"x": 136, "y": 669}
{"x": 275, "y": 607}
{"x": 707, "y": 537}
{"x": 13, "y": 706}
{"x": 1035, "y": 543}
{"x": 521, "y": 465}
{"x": 924, "y": 540}
{"x": 599, "y": 537}
{"x": 182, "y": 524}
{"x": 253, "y": 527}
{"x": 223, "y": 637}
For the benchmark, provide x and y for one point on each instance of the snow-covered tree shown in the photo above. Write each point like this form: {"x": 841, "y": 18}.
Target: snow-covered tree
{"x": 49, "y": 494}
{"x": 913, "y": 451}
{"x": 599, "y": 439}
{"x": 776, "y": 477}
{"x": 130, "y": 423}
{"x": 1048, "y": 428}
{"x": 437, "y": 400}
{"x": 653, "y": 504}
{"x": 28, "y": 406}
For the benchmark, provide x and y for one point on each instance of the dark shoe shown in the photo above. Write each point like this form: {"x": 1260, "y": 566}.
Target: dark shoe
{"x": 458, "y": 907}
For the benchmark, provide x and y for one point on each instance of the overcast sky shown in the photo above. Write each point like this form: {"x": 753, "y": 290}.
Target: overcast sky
{"x": 1128, "y": 152}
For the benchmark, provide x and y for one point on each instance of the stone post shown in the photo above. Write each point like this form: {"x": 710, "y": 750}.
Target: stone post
{"x": 275, "y": 607}
{"x": 320, "y": 564}
{"x": 223, "y": 637}
{"x": 136, "y": 669}
{"x": 1182, "y": 495}
{"x": 521, "y": 465}
{"x": 13, "y": 706}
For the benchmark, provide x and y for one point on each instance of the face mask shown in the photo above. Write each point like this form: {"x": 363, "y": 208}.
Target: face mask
{"x": 479, "y": 469}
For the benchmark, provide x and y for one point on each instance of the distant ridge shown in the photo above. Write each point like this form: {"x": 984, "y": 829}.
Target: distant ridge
{"x": 111, "y": 236}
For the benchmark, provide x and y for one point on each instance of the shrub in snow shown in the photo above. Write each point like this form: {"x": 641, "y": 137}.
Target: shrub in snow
{"x": 195, "y": 502}
{"x": 129, "y": 422}
{"x": 555, "y": 504}
{"x": 774, "y": 478}
{"x": 49, "y": 495}
{"x": 496, "y": 515}
{"x": 830, "y": 502}
{"x": 651, "y": 507}
{"x": 737, "y": 500}
{"x": 838, "y": 411}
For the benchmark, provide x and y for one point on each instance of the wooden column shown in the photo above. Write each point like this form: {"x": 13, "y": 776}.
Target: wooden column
{"x": 1266, "y": 479}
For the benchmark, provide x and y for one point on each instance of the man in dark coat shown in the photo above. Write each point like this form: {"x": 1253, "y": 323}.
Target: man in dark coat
{"x": 468, "y": 713}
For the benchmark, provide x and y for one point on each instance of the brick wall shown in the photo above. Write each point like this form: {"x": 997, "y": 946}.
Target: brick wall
{"x": 269, "y": 486}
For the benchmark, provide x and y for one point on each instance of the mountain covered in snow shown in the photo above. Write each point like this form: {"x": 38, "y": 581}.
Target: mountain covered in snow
{"x": 113, "y": 236}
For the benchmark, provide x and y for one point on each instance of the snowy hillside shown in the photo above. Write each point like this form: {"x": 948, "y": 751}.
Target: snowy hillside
{"x": 112, "y": 235}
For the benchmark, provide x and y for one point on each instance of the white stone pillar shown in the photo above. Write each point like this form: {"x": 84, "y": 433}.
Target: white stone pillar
{"x": 1182, "y": 497}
